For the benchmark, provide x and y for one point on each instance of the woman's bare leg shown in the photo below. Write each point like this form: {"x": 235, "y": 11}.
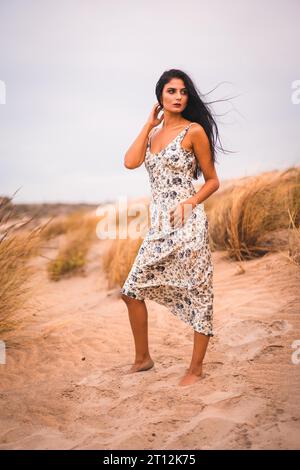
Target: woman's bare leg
{"x": 195, "y": 370}
{"x": 138, "y": 316}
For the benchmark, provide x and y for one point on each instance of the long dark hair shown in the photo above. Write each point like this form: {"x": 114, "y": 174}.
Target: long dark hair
{"x": 196, "y": 111}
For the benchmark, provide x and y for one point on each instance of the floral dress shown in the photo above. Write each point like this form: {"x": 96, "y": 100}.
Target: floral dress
{"x": 174, "y": 265}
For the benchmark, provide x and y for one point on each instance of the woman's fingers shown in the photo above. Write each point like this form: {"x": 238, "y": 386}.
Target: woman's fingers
{"x": 175, "y": 218}
{"x": 155, "y": 110}
{"x": 179, "y": 215}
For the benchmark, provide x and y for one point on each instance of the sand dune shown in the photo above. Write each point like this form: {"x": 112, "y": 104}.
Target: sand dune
{"x": 65, "y": 385}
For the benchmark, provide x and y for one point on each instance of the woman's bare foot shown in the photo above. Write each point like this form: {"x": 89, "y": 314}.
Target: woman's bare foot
{"x": 191, "y": 376}
{"x": 141, "y": 366}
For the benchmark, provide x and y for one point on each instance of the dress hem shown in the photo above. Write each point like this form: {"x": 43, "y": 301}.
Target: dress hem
{"x": 132, "y": 294}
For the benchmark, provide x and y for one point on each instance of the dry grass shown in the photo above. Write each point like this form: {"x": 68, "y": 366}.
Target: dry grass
{"x": 80, "y": 232}
{"x": 294, "y": 241}
{"x": 63, "y": 224}
{"x": 19, "y": 242}
{"x": 253, "y": 219}
{"x": 119, "y": 258}
{"x": 17, "y": 246}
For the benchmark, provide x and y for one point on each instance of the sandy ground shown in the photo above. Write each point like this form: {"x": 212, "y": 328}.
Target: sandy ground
{"x": 65, "y": 385}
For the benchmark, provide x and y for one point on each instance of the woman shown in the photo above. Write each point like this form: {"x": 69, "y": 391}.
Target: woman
{"x": 173, "y": 265}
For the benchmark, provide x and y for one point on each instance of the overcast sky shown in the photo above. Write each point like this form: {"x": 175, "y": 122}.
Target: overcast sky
{"x": 79, "y": 79}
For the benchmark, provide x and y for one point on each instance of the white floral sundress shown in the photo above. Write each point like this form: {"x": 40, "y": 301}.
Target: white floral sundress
{"x": 174, "y": 265}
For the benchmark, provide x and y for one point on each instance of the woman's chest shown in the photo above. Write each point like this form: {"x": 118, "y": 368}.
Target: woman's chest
{"x": 174, "y": 159}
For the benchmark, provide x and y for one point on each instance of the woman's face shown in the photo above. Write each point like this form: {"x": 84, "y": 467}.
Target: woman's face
{"x": 174, "y": 92}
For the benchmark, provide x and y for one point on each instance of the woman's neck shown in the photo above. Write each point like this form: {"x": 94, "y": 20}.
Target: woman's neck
{"x": 171, "y": 122}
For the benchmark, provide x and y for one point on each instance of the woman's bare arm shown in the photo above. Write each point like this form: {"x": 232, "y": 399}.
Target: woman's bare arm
{"x": 202, "y": 152}
{"x": 136, "y": 153}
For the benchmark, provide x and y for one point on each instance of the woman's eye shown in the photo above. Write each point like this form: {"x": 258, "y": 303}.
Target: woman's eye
{"x": 184, "y": 91}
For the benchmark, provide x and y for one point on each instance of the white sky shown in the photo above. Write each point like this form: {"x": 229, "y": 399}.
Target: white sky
{"x": 80, "y": 80}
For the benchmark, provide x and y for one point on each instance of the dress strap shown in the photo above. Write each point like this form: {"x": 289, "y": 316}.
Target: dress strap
{"x": 185, "y": 131}
{"x": 150, "y": 135}
{"x": 189, "y": 125}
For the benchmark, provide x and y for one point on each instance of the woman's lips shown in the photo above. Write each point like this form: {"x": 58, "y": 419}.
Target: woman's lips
{"x": 177, "y": 104}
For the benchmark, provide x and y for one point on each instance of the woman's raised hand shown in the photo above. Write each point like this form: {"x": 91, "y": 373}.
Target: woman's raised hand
{"x": 153, "y": 119}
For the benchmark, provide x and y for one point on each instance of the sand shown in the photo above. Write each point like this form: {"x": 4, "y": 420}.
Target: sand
{"x": 65, "y": 385}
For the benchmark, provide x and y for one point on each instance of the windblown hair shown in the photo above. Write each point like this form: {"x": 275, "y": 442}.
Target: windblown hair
{"x": 196, "y": 111}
